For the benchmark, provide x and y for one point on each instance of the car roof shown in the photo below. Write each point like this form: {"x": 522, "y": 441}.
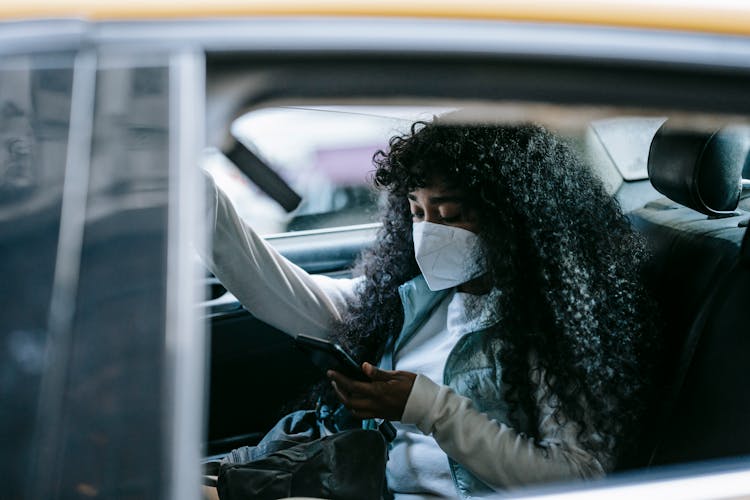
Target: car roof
{"x": 717, "y": 16}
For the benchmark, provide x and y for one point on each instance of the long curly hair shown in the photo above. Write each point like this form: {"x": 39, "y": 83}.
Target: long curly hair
{"x": 559, "y": 248}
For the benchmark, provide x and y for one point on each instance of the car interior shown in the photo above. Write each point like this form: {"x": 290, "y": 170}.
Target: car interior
{"x": 698, "y": 275}
{"x": 680, "y": 177}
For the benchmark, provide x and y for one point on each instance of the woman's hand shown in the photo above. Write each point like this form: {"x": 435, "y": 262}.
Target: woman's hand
{"x": 383, "y": 397}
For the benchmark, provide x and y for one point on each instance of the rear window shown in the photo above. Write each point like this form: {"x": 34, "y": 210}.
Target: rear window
{"x": 323, "y": 153}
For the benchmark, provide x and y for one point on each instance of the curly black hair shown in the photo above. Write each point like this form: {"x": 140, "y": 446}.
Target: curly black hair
{"x": 559, "y": 248}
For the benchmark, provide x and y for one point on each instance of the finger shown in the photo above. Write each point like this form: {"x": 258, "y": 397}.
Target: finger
{"x": 375, "y": 373}
{"x": 352, "y": 398}
{"x": 348, "y": 385}
{"x": 344, "y": 398}
{"x": 360, "y": 407}
{"x": 343, "y": 382}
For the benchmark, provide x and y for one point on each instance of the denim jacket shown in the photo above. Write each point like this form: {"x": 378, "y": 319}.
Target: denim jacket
{"x": 472, "y": 369}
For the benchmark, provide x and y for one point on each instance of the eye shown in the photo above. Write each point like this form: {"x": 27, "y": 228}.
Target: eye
{"x": 451, "y": 215}
{"x": 417, "y": 215}
{"x": 451, "y": 219}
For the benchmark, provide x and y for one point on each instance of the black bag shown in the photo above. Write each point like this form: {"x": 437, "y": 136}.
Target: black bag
{"x": 307, "y": 454}
{"x": 346, "y": 465}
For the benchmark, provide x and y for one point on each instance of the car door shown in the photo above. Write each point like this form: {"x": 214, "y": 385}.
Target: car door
{"x": 35, "y": 103}
{"x": 98, "y": 291}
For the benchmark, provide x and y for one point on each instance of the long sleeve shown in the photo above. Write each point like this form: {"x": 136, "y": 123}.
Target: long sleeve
{"x": 494, "y": 452}
{"x": 271, "y": 287}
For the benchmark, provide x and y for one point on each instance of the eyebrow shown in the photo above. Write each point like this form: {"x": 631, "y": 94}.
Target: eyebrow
{"x": 437, "y": 200}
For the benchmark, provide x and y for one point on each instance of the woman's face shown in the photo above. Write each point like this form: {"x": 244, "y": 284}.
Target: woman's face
{"x": 440, "y": 204}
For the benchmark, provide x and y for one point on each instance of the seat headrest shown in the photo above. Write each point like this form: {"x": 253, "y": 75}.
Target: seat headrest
{"x": 700, "y": 170}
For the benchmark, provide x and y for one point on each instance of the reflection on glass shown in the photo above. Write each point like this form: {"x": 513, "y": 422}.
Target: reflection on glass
{"x": 34, "y": 116}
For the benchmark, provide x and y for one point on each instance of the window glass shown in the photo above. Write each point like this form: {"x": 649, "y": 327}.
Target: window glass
{"x": 624, "y": 142}
{"x": 324, "y": 153}
{"x": 113, "y": 393}
{"x": 82, "y": 336}
{"x": 35, "y": 94}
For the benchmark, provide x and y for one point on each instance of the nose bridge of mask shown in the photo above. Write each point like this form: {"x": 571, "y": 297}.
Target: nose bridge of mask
{"x": 432, "y": 238}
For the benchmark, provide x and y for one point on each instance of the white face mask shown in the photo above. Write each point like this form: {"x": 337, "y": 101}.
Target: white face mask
{"x": 446, "y": 255}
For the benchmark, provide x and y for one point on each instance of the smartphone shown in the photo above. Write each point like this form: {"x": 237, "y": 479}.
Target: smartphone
{"x": 328, "y": 355}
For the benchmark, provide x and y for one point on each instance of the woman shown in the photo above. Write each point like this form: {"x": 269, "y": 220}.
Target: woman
{"x": 499, "y": 313}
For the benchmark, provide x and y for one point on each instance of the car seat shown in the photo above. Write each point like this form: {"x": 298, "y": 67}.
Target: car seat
{"x": 700, "y": 277}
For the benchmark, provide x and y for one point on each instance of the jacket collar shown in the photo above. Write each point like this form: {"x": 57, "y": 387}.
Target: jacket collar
{"x": 418, "y": 302}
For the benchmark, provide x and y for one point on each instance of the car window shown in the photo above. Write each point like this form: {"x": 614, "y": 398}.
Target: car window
{"x": 624, "y": 142}
{"x": 35, "y": 94}
{"x": 116, "y": 333}
{"x": 324, "y": 153}
{"x": 85, "y": 160}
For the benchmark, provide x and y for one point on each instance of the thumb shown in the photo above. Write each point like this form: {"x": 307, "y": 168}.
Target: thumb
{"x": 375, "y": 373}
